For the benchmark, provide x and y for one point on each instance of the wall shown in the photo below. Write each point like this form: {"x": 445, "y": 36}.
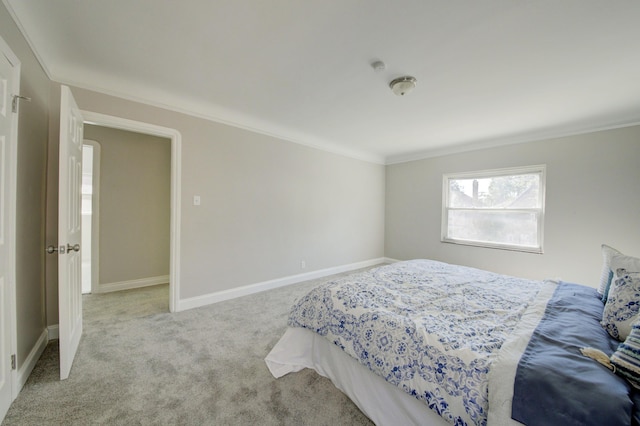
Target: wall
{"x": 30, "y": 208}
{"x": 135, "y": 172}
{"x": 592, "y": 197}
{"x": 267, "y": 204}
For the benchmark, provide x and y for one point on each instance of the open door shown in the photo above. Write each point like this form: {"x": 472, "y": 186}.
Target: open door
{"x": 69, "y": 231}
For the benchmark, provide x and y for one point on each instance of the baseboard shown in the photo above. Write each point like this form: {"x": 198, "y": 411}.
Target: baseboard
{"x": 220, "y": 296}
{"x": 54, "y": 332}
{"x": 128, "y": 285}
{"x": 30, "y": 362}
{"x": 390, "y": 260}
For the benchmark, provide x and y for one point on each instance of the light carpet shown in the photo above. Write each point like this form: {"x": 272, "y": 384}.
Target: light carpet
{"x": 138, "y": 364}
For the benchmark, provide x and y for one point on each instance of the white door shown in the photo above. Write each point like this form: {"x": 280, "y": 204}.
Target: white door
{"x": 9, "y": 76}
{"x": 69, "y": 231}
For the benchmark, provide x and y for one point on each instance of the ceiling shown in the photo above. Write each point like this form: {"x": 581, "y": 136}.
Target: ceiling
{"x": 489, "y": 72}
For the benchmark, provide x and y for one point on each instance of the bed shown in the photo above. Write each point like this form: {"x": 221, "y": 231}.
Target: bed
{"x": 425, "y": 342}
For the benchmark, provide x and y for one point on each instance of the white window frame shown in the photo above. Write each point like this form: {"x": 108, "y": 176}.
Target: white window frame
{"x": 537, "y": 169}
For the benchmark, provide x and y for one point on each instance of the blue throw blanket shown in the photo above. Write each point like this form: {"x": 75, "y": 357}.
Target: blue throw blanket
{"x": 555, "y": 384}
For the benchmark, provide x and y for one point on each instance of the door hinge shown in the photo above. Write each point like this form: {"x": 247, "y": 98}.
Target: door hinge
{"x": 14, "y": 103}
{"x": 13, "y": 362}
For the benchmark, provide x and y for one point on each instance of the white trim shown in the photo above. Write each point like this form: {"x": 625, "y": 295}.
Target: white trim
{"x": 176, "y": 175}
{"x": 498, "y": 142}
{"x": 256, "y": 126}
{"x": 30, "y": 362}
{"x": 24, "y": 33}
{"x": 232, "y": 293}
{"x": 53, "y": 332}
{"x": 217, "y": 114}
{"x": 12, "y": 177}
{"x": 130, "y": 284}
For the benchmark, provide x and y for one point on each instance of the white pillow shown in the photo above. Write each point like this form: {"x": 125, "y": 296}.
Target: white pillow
{"x": 606, "y": 274}
{"x": 623, "y": 303}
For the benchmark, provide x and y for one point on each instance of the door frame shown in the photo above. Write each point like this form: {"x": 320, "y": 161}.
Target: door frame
{"x": 176, "y": 150}
{"x": 10, "y": 218}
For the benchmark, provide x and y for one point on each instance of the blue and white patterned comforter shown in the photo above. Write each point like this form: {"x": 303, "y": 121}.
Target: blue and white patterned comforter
{"x": 430, "y": 328}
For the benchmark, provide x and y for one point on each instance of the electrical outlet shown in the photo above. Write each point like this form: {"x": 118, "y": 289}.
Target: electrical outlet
{"x": 303, "y": 264}
{"x": 196, "y": 200}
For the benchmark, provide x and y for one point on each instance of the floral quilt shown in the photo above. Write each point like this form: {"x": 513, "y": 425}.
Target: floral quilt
{"x": 428, "y": 327}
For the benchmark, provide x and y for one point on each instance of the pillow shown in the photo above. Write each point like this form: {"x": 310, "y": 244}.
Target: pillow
{"x": 607, "y": 274}
{"x": 627, "y": 357}
{"x": 623, "y": 303}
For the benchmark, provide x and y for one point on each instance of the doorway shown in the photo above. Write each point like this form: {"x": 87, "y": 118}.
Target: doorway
{"x": 134, "y": 209}
{"x": 174, "y": 138}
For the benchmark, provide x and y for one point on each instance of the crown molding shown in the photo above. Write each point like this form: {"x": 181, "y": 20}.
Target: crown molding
{"x": 231, "y": 119}
{"x": 20, "y": 26}
{"x": 487, "y": 144}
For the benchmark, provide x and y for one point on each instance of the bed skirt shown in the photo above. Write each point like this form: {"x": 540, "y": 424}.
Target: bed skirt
{"x": 383, "y": 403}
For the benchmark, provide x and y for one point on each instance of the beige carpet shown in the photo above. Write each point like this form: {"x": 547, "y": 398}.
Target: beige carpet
{"x": 137, "y": 364}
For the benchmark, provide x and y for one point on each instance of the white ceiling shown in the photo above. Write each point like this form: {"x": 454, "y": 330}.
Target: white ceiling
{"x": 489, "y": 72}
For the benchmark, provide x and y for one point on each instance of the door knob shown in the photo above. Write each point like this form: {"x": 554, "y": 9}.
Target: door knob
{"x": 75, "y": 247}
{"x": 63, "y": 249}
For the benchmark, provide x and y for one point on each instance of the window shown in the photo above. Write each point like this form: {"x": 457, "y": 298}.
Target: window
{"x": 495, "y": 208}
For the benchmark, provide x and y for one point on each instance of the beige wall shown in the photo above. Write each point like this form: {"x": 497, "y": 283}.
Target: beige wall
{"x": 135, "y": 172}
{"x": 592, "y": 197}
{"x": 266, "y": 205}
{"x": 30, "y": 208}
